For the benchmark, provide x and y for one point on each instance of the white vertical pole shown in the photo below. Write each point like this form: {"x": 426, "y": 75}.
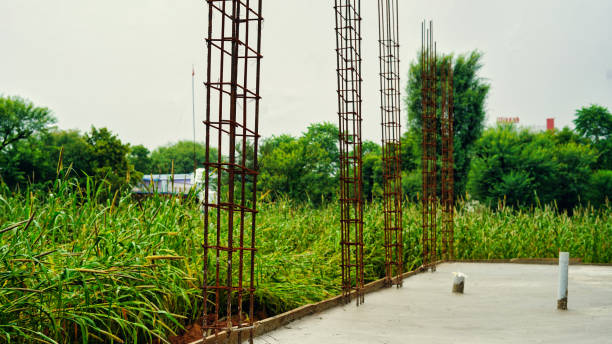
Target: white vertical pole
{"x": 195, "y": 165}
{"x": 562, "y": 293}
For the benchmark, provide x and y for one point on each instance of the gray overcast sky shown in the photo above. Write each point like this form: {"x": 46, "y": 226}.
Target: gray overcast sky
{"x": 126, "y": 65}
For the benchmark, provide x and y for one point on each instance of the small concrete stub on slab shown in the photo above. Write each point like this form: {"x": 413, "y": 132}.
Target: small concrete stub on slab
{"x": 502, "y": 303}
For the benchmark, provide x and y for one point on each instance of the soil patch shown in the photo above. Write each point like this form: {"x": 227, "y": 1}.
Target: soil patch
{"x": 192, "y": 333}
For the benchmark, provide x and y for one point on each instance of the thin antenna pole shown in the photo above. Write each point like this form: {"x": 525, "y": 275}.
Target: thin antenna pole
{"x": 195, "y": 164}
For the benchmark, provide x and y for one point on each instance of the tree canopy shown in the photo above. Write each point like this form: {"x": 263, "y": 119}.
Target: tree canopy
{"x": 181, "y": 153}
{"x": 595, "y": 124}
{"x": 506, "y": 163}
{"x": 525, "y": 168}
{"x": 469, "y": 92}
{"x": 19, "y": 119}
{"x": 98, "y": 153}
{"x": 140, "y": 157}
{"x": 302, "y": 168}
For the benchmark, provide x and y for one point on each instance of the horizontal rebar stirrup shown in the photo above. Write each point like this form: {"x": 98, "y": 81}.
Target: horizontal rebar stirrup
{"x": 448, "y": 197}
{"x": 429, "y": 137}
{"x": 232, "y": 120}
{"x": 348, "y": 57}
{"x": 388, "y": 49}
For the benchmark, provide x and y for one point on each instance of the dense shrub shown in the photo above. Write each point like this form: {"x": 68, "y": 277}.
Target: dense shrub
{"x": 525, "y": 168}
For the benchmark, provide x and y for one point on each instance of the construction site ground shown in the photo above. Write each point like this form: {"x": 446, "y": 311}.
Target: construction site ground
{"x": 502, "y": 303}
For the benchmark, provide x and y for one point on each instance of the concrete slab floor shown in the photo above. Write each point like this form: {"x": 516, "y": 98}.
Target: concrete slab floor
{"x": 502, "y": 303}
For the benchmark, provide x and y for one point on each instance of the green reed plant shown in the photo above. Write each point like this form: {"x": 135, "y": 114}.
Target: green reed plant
{"x": 78, "y": 267}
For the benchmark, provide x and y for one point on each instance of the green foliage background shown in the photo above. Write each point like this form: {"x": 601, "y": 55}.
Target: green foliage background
{"x": 525, "y": 168}
{"x": 469, "y": 93}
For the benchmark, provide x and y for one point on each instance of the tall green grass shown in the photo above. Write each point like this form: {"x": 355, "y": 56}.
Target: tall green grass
{"x": 89, "y": 269}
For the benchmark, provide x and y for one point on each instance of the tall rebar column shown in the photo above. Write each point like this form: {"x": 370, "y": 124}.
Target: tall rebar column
{"x": 390, "y": 106}
{"x": 348, "y": 58}
{"x": 447, "y": 130}
{"x": 232, "y": 124}
{"x": 429, "y": 198}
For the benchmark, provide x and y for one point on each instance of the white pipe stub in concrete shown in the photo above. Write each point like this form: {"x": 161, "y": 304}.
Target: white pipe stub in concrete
{"x": 458, "y": 282}
{"x": 562, "y": 292}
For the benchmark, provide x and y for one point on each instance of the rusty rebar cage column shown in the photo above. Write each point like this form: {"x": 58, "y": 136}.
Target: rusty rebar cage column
{"x": 448, "y": 194}
{"x": 429, "y": 198}
{"x": 232, "y": 120}
{"x": 348, "y": 57}
{"x": 390, "y": 107}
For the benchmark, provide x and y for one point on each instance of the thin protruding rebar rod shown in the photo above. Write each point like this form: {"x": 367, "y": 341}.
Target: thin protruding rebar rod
{"x": 348, "y": 72}
{"x": 388, "y": 47}
{"x": 428, "y": 146}
{"x": 195, "y": 162}
{"x": 451, "y": 164}
{"x": 447, "y": 130}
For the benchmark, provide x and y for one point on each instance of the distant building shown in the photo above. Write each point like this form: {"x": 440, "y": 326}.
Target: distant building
{"x": 507, "y": 120}
{"x": 177, "y": 184}
{"x": 550, "y": 123}
{"x": 166, "y": 183}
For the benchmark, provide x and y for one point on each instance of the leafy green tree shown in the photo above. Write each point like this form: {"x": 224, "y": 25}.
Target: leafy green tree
{"x": 372, "y": 174}
{"x": 19, "y": 119}
{"x": 411, "y": 150}
{"x": 320, "y": 142}
{"x": 302, "y": 168}
{"x": 38, "y": 160}
{"x": 108, "y": 158}
{"x": 29, "y": 152}
{"x": 281, "y": 168}
{"x": 182, "y": 155}
{"x": 268, "y": 145}
{"x": 411, "y": 184}
{"x": 470, "y": 94}
{"x": 600, "y": 191}
{"x": 140, "y": 158}
{"x": 44, "y": 160}
{"x": 574, "y": 170}
{"x": 76, "y": 151}
{"x": 371, "y": 169}
{"x": 595, "y": 124}
{"x": 567, "y": 135}
{"x": 20, "y": 124}
{"x": 98, "y": 153}
{"x": 368, "y": 147}
{"x": 11, "y": 172}
{"x": 525, "y": 168}
{"x": 325, "y": 135}
{"x": 106, "y": 149}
